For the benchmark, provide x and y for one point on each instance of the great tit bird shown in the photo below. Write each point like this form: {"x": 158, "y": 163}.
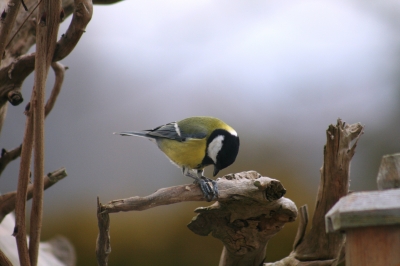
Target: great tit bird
{"x": 194, "y": 143}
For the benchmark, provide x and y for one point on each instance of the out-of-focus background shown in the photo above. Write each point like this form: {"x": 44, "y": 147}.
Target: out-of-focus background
{"x": 279, "y": 72}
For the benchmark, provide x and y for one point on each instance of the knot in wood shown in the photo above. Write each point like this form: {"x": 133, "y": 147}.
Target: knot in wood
{"x": 15, "y": 97}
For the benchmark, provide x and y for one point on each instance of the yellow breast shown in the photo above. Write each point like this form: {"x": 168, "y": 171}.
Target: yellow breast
{"x": 189, "y": 153}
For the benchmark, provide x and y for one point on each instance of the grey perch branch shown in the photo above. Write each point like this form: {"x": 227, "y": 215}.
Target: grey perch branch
{"x": 260, "y": 188}
{"x": 254, "y": 204}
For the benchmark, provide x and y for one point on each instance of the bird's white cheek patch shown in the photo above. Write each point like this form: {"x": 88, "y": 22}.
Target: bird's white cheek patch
{"x": 214, "y": 147}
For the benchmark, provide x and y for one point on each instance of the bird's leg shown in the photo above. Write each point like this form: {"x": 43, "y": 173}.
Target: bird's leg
{"x": 214, "y": 189}
{"x": 203, "y": 181}
{"x": 208, "y": 192}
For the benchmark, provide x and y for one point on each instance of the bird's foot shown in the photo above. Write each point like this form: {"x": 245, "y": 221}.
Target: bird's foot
{"x": 210, "y": 191}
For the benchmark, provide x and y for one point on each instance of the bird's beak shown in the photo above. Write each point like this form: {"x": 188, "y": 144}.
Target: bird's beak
{"x": 216, "y": 170}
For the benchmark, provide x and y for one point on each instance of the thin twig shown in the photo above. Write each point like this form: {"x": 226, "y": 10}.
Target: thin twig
{"x": 9, "y": 156}
{"x": 59, "y": 71}
{"x": 7, "y": 201}
{"x": 82, "y": 15}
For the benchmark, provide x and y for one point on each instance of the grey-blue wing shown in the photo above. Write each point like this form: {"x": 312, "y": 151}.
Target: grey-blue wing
{"x": 169, "y": 131}
{"x": 173, "y": 131}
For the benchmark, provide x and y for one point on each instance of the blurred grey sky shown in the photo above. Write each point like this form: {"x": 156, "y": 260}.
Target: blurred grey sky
{"x": 279, "y": 72}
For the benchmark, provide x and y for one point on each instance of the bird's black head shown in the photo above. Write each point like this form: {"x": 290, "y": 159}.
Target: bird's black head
{"x": 222, "y": 149}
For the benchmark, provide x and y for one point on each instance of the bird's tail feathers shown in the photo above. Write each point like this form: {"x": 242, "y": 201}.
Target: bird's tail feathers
{"x": 133, "y": 133}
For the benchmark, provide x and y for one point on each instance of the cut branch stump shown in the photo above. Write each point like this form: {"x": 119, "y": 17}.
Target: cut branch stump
{"x": 316, "y": 247}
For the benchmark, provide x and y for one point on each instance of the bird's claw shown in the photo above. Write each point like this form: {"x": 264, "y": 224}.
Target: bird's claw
{"x": 210, "y": 193}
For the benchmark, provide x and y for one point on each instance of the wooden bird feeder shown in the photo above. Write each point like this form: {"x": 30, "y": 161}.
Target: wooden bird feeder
{"x": 371, "y": 220}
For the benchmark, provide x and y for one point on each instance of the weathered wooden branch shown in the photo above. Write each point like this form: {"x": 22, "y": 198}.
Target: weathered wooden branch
{"x": 246, "y": 222}
{"x": 228, "y": 187}
{"x": 254, "y": 204}
{"x": 316, "y": 247}
{"x": 22, "y": 188}
{"x": 103, "y": 247}
{"x": 48, "y": 21}
{"x": 59, "y": 71}
{"x": 82, "y": 16}
{"x": 24, "y": 30}
{"x": 7, "y": 201}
